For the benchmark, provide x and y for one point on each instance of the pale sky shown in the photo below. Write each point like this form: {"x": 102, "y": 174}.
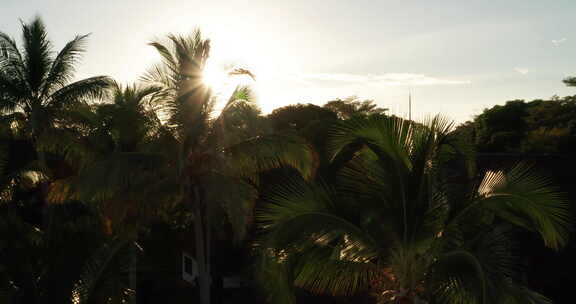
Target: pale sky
{"x": 457, "y": 57}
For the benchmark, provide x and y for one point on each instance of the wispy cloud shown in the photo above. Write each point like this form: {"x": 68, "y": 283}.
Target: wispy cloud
{"x": 558, "y": 42}
{"x": 522, "y": 71}
{"x": 386, "y": 79}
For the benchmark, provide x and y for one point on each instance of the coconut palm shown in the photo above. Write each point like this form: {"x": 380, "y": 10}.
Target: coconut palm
{"x": 37, "y": 86}
{"x": 112, "y": 146}
{"x": 120, "y": 167}
{"x": 219, "y": 155}
{"x": 35, "y": 90}
{"x": 404, "y": 223}
{"x": 40, "y": 260}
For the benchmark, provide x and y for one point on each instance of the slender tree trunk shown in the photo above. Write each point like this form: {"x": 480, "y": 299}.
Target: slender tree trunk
{"x": 133, "y": 272}
{"x": 204, "y": 280}
{"x": 208, "y": 241}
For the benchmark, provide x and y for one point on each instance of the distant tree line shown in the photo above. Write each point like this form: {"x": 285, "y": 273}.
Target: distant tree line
{"x": 538, "y": 126}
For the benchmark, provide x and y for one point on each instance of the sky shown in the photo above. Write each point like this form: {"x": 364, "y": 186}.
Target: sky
{"x": 455, "y": 57}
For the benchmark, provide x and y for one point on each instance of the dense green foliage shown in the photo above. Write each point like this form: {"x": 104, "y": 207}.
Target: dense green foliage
{"x": 340, "y": 199}
{"x": 538, "y": 126}
{"x": 401, "y": 221}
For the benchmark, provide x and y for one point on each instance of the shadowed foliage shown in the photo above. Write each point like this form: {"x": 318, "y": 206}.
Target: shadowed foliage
{"x": 403, "y": 223}
{"x": 350, "y": 203}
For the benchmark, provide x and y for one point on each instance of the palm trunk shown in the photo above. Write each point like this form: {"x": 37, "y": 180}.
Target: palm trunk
{"x": 201, "y": 250}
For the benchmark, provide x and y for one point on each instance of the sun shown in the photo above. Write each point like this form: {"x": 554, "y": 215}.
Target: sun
{"x": 215, "y": 77}
{"x": 223, "y": 79}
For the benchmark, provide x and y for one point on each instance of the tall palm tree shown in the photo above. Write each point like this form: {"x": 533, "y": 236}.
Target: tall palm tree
{"x": 36, "y": 91}
{"x": 219, "y": 155}
{"x": 403, "y": 222}
{"x": 37, "y": 86}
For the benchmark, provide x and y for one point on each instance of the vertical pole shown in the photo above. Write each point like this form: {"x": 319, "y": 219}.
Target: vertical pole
{"x": 409, "y": 105}
{"x": 200, "y": 238}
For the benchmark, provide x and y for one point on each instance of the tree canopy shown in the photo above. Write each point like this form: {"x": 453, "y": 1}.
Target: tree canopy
{"x": 538, "y": 126}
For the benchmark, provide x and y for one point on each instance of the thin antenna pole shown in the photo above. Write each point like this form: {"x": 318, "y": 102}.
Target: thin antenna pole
{"x": 409, "y": 104}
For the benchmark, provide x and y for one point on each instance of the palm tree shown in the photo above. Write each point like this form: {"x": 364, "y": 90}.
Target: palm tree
{"x": 218, "y": 155}
{"x": 36, "y": 85}
{"x": 404, "y": 222}
{"x": 116, "y": 149}
{"x": 36, "y": 91}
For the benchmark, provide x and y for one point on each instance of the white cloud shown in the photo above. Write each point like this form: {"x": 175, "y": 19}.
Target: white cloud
{"x": 522, "y": 71}
{"x": 386, "y": 79}
{"x": 558, "y": 42}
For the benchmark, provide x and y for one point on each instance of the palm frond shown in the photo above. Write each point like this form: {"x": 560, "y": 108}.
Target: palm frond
{"x": 8, "y": 105}
{"x": 63, "y": 67}
{"x": 236, "y": 197}
{"x": 241, "y": 94}
{"x": 523, "y": 198}
{"x": 75, "y": 150}
{"x": 167, "y": 54}
{"x": 37, "y": 50}
{"x": 191, "y": 51}
{"x": 9, "y": 51}
{"x": 276, "y": 278}
{"x": 241, "y": 71}
{"x": 239, "y": 119}
{"x": 85, "y": 90}
{"x": 104, "y": 275}
{"x": 144, "y": 95}
{"x": 459, "y": 278}
{"x": 517, "y": 294}
{"x": 120, "y": 173}
{"x": 269, "y": 152}
{"x": 297, "y": 211}
{"x": 323, "y": 272}
{"x": 308, "y": 245}
{"x": 388, "y": 137}
{"x": 12, "y": 81}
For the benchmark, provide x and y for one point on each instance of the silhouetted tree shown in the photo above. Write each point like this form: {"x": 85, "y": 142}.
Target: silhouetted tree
{"x": 352, "y": 106}
{"x": 36, "y": 85}
{"x": 570, "y": 81}
{"x": 212, "y": 166}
